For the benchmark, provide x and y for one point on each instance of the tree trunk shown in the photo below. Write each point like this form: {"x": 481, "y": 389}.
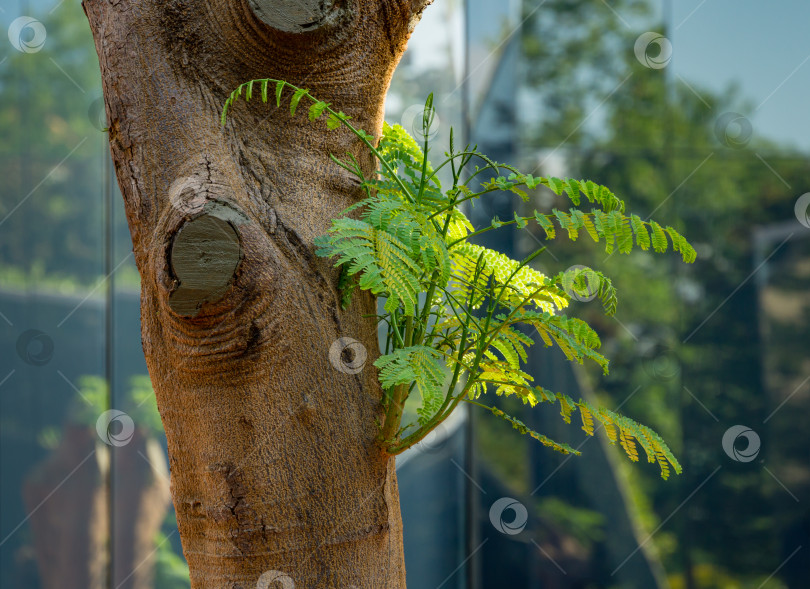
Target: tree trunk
{"x": 277, "y": 479}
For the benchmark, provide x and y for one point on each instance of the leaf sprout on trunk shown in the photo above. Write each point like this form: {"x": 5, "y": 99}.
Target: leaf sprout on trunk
{"x": 452, "y": 307}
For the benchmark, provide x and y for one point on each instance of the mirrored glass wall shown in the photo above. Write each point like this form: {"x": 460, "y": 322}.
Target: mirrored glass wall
{"x": 692, "y": 112}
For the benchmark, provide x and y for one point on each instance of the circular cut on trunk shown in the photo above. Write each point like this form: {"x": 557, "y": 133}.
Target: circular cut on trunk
{"x": 204, "y": 258}
{"x": 294, "y": 16}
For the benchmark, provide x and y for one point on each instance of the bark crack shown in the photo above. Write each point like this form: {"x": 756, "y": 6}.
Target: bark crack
{"x": 303, "y": 257}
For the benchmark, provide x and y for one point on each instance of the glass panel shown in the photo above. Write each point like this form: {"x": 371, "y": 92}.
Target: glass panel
{"x": 688, "y": 111}
{"x": 54, "y": 505}
{"x": 146, "y": 549}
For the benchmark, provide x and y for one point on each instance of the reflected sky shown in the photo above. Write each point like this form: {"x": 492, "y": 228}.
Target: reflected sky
{"x": 763, "y": 48}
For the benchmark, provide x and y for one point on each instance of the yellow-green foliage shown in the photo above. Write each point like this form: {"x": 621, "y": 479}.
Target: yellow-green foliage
{"x": 454, "y": 308}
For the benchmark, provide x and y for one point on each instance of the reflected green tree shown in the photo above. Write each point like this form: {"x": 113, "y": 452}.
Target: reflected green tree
{"x": 689, "y": 338}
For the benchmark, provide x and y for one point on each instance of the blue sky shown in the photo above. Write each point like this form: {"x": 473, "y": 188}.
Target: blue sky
{"x": 762, "y": 46}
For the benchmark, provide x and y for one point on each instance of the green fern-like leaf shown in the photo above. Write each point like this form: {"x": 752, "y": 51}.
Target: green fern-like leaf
{"x": 659, "y": 238}
{"x": 415, "y": 364}
{"x": 640, "y": 229}
{"x": 453, "y": 306}
{"x": 382, "y": 261}
{"x": 296, "y": 98}
{"x": 520, "y": 285}
{"x": 561, "y": 447}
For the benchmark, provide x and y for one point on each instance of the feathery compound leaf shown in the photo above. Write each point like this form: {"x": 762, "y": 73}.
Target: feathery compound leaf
{"x": 659, "y": 238}
{"x": 264, "y": 90}
{"x": 573, "y": 336}
{"x": 640, "y": 229}
{"x": 419, "y": 365}
{"x": 679, "y": 244}
{"x": 587, "y": 222}
{"x": 618, "y": 428}
{"x": 316, "y": 110}
{"x": 572, "y": 189}
{"x": 615, "y": 228}
{"x": 407, "y": 242}
{"x": 521, "y": 286}
{"x": 586, "y": 282}
{"x": 624, "y": 234}
{"x": 567, "y": 223}
{"x": 382, "y": 260}
{"x": 297, "y": 95}
{"x": 556, "y": 185}
{"x": 630, "y": 432}
{"x": 279, "y": 90}
{"x": 434, "y": 256}
{"x": 546, "y": 224}
{"x": 587, "y": 419}
{"x": 607, "y": 294}
{"x": 627, "y": 443}
{"x": 524, "y": 429}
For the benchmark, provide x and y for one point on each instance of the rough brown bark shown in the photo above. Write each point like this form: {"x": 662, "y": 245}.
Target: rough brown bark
{"x": 272, "y": 449}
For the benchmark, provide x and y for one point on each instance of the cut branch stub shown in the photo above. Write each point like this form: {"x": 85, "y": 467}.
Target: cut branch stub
{"x": 205, "y": 254}
{"x": 295, "y": 16}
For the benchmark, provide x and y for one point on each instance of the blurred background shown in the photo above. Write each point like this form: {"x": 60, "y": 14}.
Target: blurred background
{"x": 694, "y": 112}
